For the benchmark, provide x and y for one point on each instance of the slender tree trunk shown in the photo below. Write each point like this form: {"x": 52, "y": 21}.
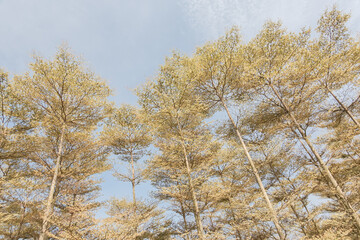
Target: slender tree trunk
{"x": 133, "y": 188}
{"x": 322, "y": 174}
{"x": 321, "y": 162}
{"x": 133, "y": 179}
{"x": 199, "y": 226}
{"x": 49, "y": 204}
{"x": 257, "y": 176}
{"x": 343, "y": 106}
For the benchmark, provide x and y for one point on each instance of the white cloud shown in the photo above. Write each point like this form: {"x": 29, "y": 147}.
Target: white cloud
{"x": 210, "y": 18}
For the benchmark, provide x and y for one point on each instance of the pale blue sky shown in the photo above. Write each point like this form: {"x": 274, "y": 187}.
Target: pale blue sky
{"x": 125, "y": 41}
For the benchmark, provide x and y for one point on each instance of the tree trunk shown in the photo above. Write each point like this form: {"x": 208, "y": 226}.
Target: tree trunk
{"x": 257, "y": 176}
{"x": 322, "y": 174}
{"x": 133, "y": 179}
{"x": 321, "y": 162}
{"x": 199, "y": 226}
{"x": 133, "y": 189}
{"x": 49, "y": 204}
{"x": 343, "y": 106}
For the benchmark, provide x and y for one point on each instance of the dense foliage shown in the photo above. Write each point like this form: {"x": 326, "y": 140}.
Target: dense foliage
{"x": 256, "y": 140}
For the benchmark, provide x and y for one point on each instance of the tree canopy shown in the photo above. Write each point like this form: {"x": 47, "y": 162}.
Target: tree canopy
{"x": 240, "y": 140}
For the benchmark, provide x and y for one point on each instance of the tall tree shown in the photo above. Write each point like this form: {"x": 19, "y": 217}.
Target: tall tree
{"x": 219, "y": 66}
{"x": 17, "y": 186}
{"x": 338, "y": 54}
{"x": 69, "y": 99}
{"x": 278, "y": 65}
{"x": 176, "y": 116}
{"x": 336, "y": 58}
{"x": 128, "y": 138}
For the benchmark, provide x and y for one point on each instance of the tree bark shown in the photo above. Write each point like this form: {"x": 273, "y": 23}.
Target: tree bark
{"x": 343, "y": 106}
{"x": 49, "y": 204}
{"x": 257, "y": 176}
{"x": 133, "y": 189}
{"x": 199, "y": 226}
{"x": 321, "y": 162}
{"x": 133, "y": 179}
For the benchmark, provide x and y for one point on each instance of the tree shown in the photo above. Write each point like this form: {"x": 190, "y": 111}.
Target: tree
{"x": 338, "y": 59}
{"x": 241, "y": 212}
{"x": 128, "y": 138}
{"x": 69, "y": 101}
{"x": 125, "y": 223}
{"x": 279, "y": 66}
{"x": 337, "y": 56}
{"x": 186, "y": 146}
{"x": 17, "y": 188}
{"x": 219, "y": 67}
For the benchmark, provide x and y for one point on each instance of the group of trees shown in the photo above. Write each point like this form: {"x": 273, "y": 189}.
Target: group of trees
{"x": 255, "y": 140}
